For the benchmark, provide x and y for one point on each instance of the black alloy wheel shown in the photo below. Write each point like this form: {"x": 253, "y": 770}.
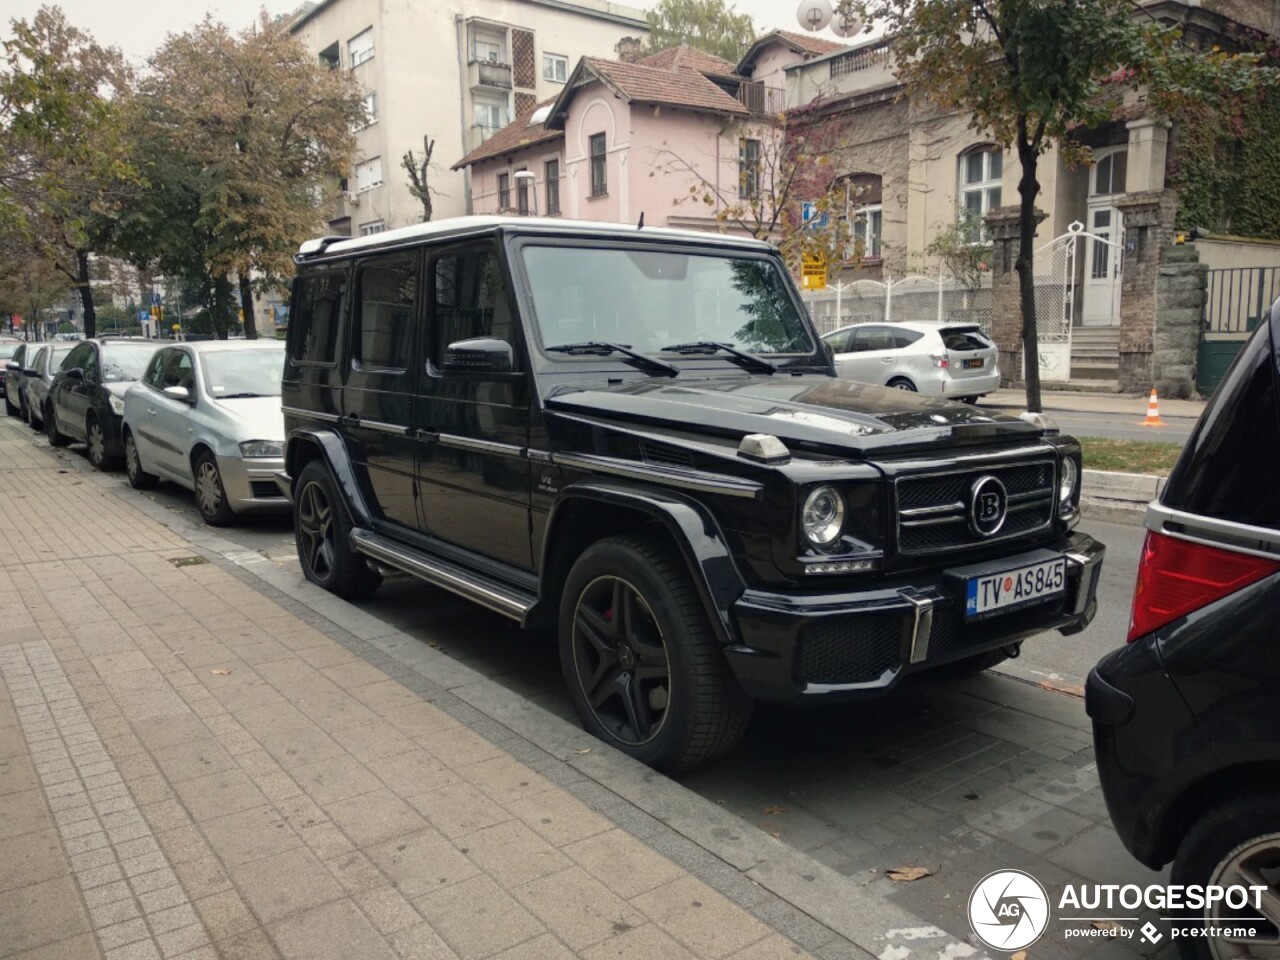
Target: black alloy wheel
{"x": 322, "y": 533}
{"x": 96, "y": 438}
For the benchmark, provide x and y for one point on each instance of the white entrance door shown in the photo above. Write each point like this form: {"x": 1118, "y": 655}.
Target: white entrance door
{"x": 1101, "y": 300}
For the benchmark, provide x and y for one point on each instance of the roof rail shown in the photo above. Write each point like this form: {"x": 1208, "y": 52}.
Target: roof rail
{"x": 315, "y": 247}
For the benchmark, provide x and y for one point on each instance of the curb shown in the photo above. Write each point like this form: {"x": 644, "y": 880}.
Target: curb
{"x": 1121, "y": 497}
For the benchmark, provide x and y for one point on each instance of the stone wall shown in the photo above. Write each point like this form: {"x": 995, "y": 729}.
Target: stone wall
{"x": 1006, "y": 305}
{"x": 1179, "y": 307}
{"x": 1148, "y": 230}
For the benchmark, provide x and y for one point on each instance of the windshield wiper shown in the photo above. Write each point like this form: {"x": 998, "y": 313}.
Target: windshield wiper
{"x": 711, "y": 346}
{"x": 602, "y": 348}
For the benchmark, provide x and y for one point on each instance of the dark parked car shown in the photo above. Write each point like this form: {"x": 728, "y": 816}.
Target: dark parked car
{"x": 39, "y": 376}
{"x": 86, "y": 398}
{"x": 637, "y": 435}
{"x": 1187, "y": 715}
{"x": 17, "y": 361}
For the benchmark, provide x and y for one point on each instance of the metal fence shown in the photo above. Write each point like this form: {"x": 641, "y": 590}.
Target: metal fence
{"x": 1237, "y": 297}
{"x": 907, "y": 299}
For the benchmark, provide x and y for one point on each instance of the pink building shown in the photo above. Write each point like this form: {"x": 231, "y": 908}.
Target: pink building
{"x": 683, "y": 138}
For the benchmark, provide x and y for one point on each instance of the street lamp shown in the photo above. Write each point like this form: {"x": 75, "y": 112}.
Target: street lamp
{"x": 814, "y": 15}
{"x": 530, "y": 181}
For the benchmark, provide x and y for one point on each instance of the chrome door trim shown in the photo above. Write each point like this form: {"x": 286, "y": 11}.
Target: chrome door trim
{"x": 311, "y": 414}
{"x": 480, "y": 446}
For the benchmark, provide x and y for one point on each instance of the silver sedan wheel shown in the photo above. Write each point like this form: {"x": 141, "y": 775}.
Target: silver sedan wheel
{"x": 1256, "y": 863}
{"x": 208, "y": 488}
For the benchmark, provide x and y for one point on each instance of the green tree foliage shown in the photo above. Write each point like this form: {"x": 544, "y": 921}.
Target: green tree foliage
{"x": 64, "y": 170}
{"x": 239, "y": 135}
{"x": 710, "y": 25}
{"x": 1031, "y": 73}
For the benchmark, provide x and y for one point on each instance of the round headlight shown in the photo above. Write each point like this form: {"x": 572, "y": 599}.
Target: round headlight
{"x": 1067, "y": 486}
{"x": 823, "y": 516}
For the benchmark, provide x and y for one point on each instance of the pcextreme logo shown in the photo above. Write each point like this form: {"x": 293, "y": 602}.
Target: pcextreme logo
{"x": 1008, "y": 910}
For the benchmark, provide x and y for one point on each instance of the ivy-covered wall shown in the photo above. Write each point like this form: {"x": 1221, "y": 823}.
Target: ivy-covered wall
{"x": 1224, "y": 167}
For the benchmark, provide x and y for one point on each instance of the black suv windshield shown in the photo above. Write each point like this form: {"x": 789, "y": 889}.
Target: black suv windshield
{"x": 122, "y": 362}
{"x": 647, "y": 300}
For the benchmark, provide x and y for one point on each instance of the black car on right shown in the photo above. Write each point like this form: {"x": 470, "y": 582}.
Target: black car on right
{"x": 1186, "y": 716}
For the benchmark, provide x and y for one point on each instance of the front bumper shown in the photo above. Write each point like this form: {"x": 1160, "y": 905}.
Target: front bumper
{"x": 250, "y": 485}
{"x": 857, "y": 644}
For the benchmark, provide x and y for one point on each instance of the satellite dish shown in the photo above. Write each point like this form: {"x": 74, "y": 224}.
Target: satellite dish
{"x": 844, "y": 26}
{"x": 814, "y": 15}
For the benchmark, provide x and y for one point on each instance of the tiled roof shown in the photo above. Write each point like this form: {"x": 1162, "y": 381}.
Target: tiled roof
{"x": 677, "y": 88}
{"x": 808, "y": 43}
{"x": 516, "y": 135}
{"x": 673, "y": 58}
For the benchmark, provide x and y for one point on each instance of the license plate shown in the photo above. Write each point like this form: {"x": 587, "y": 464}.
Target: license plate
{"x": 1012, "y": 589}
{"x": 974, "y": 364}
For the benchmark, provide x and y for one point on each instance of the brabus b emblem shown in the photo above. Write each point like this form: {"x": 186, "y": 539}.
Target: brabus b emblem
{"x": 988, "y": 505}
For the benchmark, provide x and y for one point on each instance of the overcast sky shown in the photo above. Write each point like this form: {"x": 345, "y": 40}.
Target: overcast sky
{"x": 139, "y": 26}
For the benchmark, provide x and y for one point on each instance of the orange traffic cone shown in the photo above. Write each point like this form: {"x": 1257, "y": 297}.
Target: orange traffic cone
{"x": 1153, "y": 412}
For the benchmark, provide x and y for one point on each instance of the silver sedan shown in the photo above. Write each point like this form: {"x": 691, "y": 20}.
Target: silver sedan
{"x": 206, "y": 415}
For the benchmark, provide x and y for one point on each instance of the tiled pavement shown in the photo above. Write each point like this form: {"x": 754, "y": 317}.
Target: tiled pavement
{"x": 187, "y": 769}
{"x": 964, "y": 777}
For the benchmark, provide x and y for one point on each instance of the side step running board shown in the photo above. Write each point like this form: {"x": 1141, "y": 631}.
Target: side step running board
{"x": 500, "y": 598}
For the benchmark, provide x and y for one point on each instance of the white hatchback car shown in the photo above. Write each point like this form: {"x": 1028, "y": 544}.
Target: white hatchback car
{"x": 937, "y": 359}
{"x": 207, "y": 415}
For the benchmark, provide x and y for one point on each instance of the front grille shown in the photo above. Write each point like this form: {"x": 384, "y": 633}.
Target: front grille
{"x": 855, "y": 649}
{"x": 933, "y": 511}
{"x": 264, "y": 490}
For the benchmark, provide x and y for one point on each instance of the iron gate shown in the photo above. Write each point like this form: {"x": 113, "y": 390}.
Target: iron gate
{"x": 1236, "y": 299}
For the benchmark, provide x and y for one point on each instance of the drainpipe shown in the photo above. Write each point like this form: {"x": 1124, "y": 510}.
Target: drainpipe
{"x": 460, "y": 29}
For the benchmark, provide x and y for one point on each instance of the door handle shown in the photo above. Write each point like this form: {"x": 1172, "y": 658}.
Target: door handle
{"x": 352, "y": 418}
{"x": 151, "y": 411}
{"x": 886, "y": 359}
{"x": 427, "y": 433}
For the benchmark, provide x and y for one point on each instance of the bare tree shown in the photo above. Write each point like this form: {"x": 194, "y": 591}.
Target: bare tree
{"x": 419, "y": 176}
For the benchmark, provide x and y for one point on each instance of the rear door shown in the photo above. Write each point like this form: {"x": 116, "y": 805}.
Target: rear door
{"x": 969, "y": 352}
{"x": 380, "y": 378}
{"x": 874, "y": 353}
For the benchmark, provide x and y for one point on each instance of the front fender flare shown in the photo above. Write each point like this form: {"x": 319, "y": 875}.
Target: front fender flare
{"x": 333, "y": 451}
{"x": 696, "y": 532}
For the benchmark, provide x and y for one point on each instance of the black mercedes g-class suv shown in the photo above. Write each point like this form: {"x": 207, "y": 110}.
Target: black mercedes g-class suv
{"x": 636, "y": 435}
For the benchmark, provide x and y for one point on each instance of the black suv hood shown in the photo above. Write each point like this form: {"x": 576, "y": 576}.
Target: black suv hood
{"x": 810, "y": 410}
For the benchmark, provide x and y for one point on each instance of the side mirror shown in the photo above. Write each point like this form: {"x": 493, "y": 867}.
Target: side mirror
{"x": 479, "y": 355}
{"x": 178, "y": 393}
{"x": 30, "y": 372}
{"x": 75, "y": 373}
{"x": 12, "y": 366}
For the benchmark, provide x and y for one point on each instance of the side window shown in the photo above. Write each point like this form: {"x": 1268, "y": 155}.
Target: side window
{"x": 184, "y": 371}
{"x": 79, "y": 357}
{"x": 38, "y": 360}
{"x": 314, "y": 318}
{"x": 155, "y": 369}
{"x": 872, "y": 338}
{"x": 905, "y": 338}
{"x": 469, "y": 299}
{"x": 91, "y": 374}
{"x": 383, "y": 311}
{"x": 839, "y": 341}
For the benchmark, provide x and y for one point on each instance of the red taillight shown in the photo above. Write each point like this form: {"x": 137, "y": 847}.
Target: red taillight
{"x": 1176, "y": 577}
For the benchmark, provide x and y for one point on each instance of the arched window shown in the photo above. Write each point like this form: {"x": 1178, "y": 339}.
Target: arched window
{"x": 981, "y": 172}
{"x": 1110, "y": 168}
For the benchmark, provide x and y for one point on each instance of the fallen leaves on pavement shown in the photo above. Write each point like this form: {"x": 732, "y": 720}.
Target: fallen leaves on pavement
{"x": 907, "y": 874}
{"x": 220, "y": 672}
{"x": 774, "y": 810}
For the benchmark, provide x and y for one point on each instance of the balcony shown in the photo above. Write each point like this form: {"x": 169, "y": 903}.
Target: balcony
{"x": 488, "y": 75}
{"x": 761, "y": 100}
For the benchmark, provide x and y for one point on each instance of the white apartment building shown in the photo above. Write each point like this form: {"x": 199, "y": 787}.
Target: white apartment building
{"x": 456, "y": 71}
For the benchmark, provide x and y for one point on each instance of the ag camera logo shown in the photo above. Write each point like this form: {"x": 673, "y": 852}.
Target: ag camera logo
{"x": 1008, "y": 910}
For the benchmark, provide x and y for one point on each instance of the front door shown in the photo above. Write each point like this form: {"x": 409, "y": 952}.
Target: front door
{"x": 473, "y": 473}
{"x": 1102, "y": 261}
{"x": 378, "y": 397}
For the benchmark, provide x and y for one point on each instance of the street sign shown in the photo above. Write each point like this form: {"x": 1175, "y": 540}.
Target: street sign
{"x": 813, "y": 274}
{"x": 811, "y": 217}
{"x": 144, "y": 315}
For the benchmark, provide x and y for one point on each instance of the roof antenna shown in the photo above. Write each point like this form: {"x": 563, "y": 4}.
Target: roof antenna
{"x": 640, "y": 225}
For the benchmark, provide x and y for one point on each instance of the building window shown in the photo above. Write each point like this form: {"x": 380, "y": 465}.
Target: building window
{"x": 522, "y": 194}
{"x": 981, "y": 171}
{"x": 748, "y": 169}
{"x": 553, "y": 187}
{"x": 504, "y": 191}
{"x": 555, "y": 67}
{"x": 360, "y": 48}
{"x": 866, "y": 230}
{"x": 490, "y": 117}
{"x": 372, "y": 227}
{"x": 489, "y": 46}
{"x": 370, "y": 104}
{"x": 599, "y": 177}
{"x": 1109, "y": 173}
{"x": 368, "y": 174}
{"x": 331, "y": 56}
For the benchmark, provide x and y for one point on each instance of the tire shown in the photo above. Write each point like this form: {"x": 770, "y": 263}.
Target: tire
{"x": 23, "y": 413}
{"x": 34, "y": 420}
{"x": 211, "y": 498}
{"x": 9, "y": 408}
{"x": 96, "y": 439}
{"x": 1245, "y": 831}
{"x": 970, "y": 400}
{"x": 139, "y": 479}
{"x": 321, "y": 530}
{"x": 56, "y": 439}
{"x": 673, "y": 704}
{"x": 902, "y": 383}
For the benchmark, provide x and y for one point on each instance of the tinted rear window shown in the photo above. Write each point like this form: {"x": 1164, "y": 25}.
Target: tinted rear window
{"x": 965, "y": 338}
{"x": 1228, "y": 468}
{"x": 905, "y": 338}
{"x": 314, "y": 317}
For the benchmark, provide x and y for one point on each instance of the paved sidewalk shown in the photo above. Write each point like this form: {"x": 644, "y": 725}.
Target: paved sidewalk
{"x": 1119, "y": 403}
{"x": 190, "y": 769}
